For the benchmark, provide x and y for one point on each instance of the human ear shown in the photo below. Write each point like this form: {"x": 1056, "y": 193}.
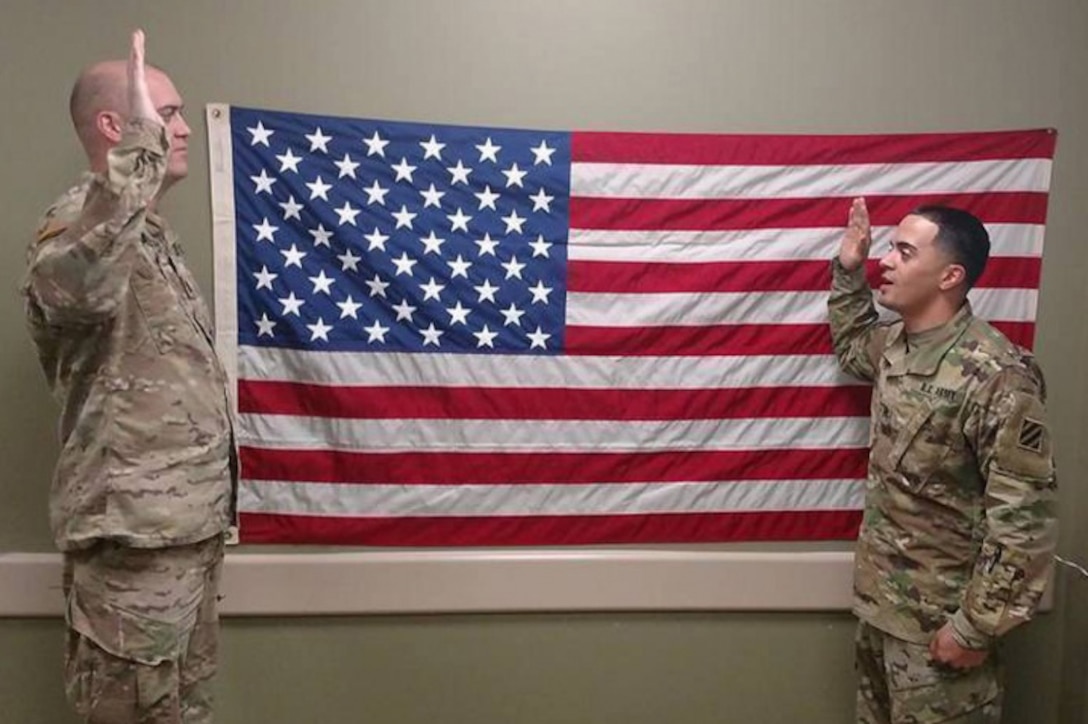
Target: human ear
{"x": 952, "y": 276}
{"x": 110, "y": 125}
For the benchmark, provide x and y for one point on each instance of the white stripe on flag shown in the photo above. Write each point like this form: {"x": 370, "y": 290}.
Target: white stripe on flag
{"x": 701, "y": 309}
{"x": 332, "y": 499}
{"x": 429, "y": 435}
{"x": 1017, "y": 240}
{"x": 461, "y": 370}
{"x": 662, "y": 181}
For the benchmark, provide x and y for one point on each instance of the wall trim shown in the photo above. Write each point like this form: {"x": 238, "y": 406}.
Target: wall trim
{"x": 287, "y": 584}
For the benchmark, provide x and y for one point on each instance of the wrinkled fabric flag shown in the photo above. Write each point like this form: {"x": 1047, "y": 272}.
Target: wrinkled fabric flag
{"x": 465, "y": 336}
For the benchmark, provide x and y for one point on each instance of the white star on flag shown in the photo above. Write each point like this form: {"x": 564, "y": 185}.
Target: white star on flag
{"x": 377, "y": 239}
{"x": 376, "y": 332}
{"x": 404, "y": 171}
{"x": 458, "y": 313}
{"x": 487, "y": 198}
{"x": 347, "y": 166}
{"x": 404, "y": 310}
{"x": 321, "y": 235}
{"x": 543, "y": 154}
{"x": 459, "y": 173}
{"x": 266, "y": 231}
{"x": 459, "y": 220}
{"x": 432, "y": 148}
{"x": 318, "y": 140}
{"x": 485, "y": 337}
{"x": 349, "y": 261}
{"x": 288, "y": 162}
{"x": 291, "y": 304}
{"x": 375, "y": 145}
{"x": 513, "y": 222}
{"x": 322, "y": 283}
{"x": 489, "y": 151}
{"x": 265, "y": 278}
{"x": 542, "y": 200}
{"x": 540, "y": 293}
{"x": 431, "y": 289}
{"x": 375, "y": 194}
{"x": 320, "y": 330}
{"x": 538, "y": 338}
{"x": 432, "y": 197}
{"x": 514, "y": 175}
{"x": 291, "y": 209}
{"x": 348, "y": 308}
{"x": 265, "y": 326}
{"x": 263, "y": 182}
{"x": 319, "y": 189}
{"x": 260, "y": 134}
{"x": 292, "y": 256}
{"x": 347, "y": 214}
{"x": 431, "y": 335}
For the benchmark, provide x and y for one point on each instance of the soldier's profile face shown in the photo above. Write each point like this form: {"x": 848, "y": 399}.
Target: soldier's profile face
{"x": 912, "y": 269}
{"x": 169, "y": 104}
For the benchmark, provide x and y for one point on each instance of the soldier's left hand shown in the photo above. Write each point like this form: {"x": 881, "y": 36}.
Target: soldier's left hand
{"x": 946, "y": 650}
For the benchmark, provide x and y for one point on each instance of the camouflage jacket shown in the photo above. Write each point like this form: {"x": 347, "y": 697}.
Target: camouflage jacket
{"x": 959, "y": 520}
{"x": 125, "y": 341}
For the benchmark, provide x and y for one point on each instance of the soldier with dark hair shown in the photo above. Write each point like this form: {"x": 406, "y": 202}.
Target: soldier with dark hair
{"x": 144, "y": 486}
{"x": 958, "y": 535}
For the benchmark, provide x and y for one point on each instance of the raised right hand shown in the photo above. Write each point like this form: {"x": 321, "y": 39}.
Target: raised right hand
{"x": 857, "y": 238}
{"x": 139, "y": 96}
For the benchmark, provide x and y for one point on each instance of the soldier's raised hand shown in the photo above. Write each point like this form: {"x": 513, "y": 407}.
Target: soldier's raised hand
{"x": 139, "y": 96}
{"x": 857, "y": 238}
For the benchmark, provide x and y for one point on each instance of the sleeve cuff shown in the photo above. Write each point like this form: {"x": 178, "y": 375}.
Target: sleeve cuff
{"x": 846, "y": 279}
{"x": 966, "y": 634}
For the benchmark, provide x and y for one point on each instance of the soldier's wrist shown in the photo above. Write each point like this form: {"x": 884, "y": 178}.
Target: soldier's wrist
{"x": 966, "y": 634}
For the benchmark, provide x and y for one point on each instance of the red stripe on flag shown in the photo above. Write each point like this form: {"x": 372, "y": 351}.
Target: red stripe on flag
{"x": 636, "y": 214}
{"x": 781, "y": 150}
{"x": 691, "y": 527}
{"x": 504, "y": 403}
{"x": 554, "y": 468}
{"x": 711, "y": 340}
{"x": 758, "y": 276}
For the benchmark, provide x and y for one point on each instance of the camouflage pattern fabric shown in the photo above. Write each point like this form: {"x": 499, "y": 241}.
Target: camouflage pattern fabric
{"x": 898, "y": 683}
{"x": 143, "y": 632}
{"x": 960, "y": 522}
{"x": 125, "y": 341}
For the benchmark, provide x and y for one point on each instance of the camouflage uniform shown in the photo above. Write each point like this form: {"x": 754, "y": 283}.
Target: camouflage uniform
{"x": 144, "y": 485}
{"x": 959, "y": 522}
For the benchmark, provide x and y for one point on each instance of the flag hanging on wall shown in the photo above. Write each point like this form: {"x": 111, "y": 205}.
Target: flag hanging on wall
{"x": 465, "y": 336}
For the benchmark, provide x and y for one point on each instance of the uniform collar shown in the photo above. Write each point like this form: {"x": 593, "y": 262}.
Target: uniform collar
{"x": 922, "y": 353}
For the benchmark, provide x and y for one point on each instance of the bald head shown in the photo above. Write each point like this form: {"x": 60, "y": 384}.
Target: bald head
{"x": 100, "y": 88}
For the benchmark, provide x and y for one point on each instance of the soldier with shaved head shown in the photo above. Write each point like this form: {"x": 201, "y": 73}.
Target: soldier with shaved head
{"x": 143, "y": 491}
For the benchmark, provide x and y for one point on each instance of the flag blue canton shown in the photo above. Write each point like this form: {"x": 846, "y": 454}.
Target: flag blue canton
{"x": 369, "y": 235}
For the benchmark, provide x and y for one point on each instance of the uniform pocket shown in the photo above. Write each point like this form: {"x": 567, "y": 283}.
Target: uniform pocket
{"x": 920, "y": 447}
{"x": 158, "y": 306}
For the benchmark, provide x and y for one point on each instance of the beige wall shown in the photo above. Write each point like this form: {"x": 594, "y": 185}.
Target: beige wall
{"x": 681, "y": 65}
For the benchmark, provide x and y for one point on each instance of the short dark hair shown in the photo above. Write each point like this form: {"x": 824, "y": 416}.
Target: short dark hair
{"x": 962, "y": 235}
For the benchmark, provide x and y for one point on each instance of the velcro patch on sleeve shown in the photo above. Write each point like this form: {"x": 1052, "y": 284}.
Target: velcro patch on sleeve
{"x": 1032, "y": 434}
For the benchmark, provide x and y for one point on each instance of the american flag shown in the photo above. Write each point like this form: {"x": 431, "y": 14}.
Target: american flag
{"x": 465, "y": 336}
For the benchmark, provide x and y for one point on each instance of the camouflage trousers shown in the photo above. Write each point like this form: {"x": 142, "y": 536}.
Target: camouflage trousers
{"x": 898, "y": 683}
{"x": 143, "y": 632}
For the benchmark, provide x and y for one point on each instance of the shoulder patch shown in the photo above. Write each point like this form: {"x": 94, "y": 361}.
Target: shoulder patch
{"x": 50, "y": 229}
{"x": 1031, "y": 435}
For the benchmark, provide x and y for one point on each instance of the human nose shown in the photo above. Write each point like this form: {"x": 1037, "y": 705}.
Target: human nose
{"x": 181, "y": 128}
